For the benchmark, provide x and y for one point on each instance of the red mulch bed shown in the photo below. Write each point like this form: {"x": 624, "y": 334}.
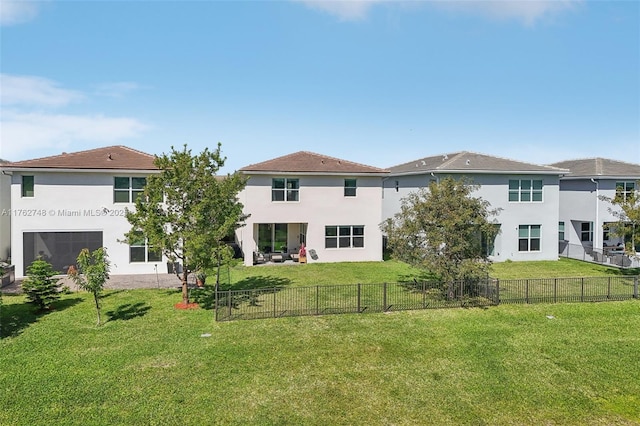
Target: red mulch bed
{"x": 183, "y": 305}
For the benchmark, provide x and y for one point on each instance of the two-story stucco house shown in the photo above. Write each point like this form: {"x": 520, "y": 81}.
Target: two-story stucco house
{"x": 583, "y": 214}
{"x": 526, "y": 194}
{"x": 333, "y": 206}
{"x": 64, "y": 203}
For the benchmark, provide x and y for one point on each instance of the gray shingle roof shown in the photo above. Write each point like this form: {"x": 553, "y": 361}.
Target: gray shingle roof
{"x": 470, "y": 162}
{"x": 599, "y": 167}
{"x": 310, "y": 162}
{"x": 111, "y": 157}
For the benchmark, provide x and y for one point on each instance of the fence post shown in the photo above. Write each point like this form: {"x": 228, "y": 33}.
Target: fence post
{"x": 555, "y": 290}
{"x": 215, "y": 316}
{"x": 317, "y": 300}
{"x": 229, "y": 302}
{"x": 497, "y": 291}
{"x": 274, "y": 302}
{"x": 424, "y": 295}
{"x": 526, "y": 291}
{"x": 359, "y": 298}
{"x": 384, "y": 297}
{"x": 635, "y": 287}
{"x": 609, "y": 288}
{"x": 582, "y": 290}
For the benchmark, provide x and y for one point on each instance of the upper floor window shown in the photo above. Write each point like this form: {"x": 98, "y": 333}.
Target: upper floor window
{"x": 525, "y": 190}
{"x": 285, "y": 189}
{"x": 128, "y": 189}
{"x": 529, "y": 238}
{"x": 350, "y": 187}
{"x": 27, "y": 186}
{"x": 141, "y": 251}
{"x": 344, "y": 236}
{"x": 624, "y": 191}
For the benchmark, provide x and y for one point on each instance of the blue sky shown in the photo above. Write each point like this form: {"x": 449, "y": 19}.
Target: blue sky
{"x": 375, "y": 82}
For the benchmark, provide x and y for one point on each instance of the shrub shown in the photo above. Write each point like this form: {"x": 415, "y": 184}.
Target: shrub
{"x": 40, "y": 287}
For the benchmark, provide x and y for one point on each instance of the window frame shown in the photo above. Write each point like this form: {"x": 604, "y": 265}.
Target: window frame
{"x": 132, "y": 191}
{"x": 625, "y": 190}
{"x": 533, "y": 242}
{"x": 147, "y": 251}
{"x": 344, "y": 236}
{"x": 28, "y": 189}
{"x": 586, "y": 232}
{"x": 350, "y": 190}
{"x": 290, "y": 193}
{"x": 527, "y": 191}
{"x": 561, "y": 231}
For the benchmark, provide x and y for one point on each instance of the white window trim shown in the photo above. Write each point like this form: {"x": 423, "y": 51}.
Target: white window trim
{"x": 530, "y": 190}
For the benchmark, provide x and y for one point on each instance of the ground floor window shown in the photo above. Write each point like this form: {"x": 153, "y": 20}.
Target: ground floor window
{"x": 561, "y": 231}
{"x": 344, "y": 236}
{"x": 141, "y": 251}
{"x": 529, "y": 238}
{"x": 586, "y": 231}
{"x": 61, "y": 249}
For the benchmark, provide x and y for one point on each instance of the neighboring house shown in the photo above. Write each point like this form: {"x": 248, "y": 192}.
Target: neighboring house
{"x": 64, "y": 203}
{"x": 583, "y": 215}
{"x": 333, "y": 206}
{"x": 527, "y": 194}
{"x": 5, "y": 215}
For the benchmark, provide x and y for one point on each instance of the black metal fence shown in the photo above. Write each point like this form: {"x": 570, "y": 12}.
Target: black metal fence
{"x": 277, "y": 302}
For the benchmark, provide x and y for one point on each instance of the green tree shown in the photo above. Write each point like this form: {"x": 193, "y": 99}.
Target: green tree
{"x": 444, "y": 230}
{"x": 40, "y": 287}
{"x": 626, "y": 209}
{"x": 186, "y": 210}
{"x": 92, "y": 273}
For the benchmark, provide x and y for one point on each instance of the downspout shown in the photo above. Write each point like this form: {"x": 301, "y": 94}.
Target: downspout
{"x": 597, "y": 222}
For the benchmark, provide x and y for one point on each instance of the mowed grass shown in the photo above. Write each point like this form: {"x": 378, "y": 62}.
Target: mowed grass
{"x": 294, "y": 275}
{"x": 570, "y": 364}
{"x": 525, "y": 364}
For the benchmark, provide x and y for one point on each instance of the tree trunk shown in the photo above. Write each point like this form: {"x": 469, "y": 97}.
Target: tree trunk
{"x": 96, "y": 298}
{"x": 185, "y": 290}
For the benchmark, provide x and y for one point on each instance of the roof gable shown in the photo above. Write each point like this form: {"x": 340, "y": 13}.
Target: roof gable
{"x": 108, "y": 158}
{"x": 470, "y": 162}
{"x": 310, "y": 162}
{"x": 599, "y": 167}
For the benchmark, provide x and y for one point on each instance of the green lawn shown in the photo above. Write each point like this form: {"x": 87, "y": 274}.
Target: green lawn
{"x": 569, "y": 364}
{"x": 242, "y": 277}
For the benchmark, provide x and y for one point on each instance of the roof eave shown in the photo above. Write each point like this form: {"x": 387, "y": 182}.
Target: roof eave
{"x": 485, "y": 172}
{"x": 74, "y": 170}
{"x": 290, "y": 173}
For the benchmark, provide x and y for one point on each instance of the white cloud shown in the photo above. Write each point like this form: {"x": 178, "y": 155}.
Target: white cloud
{"x": 26, "y": 133}
{"x": 526, "y": 11}
{"x": 33, "y": 119}
{"x": 349, "y": 10}
{"x": 34, "y": 91}
{"x": 117, "y": 90}
{"x": 17, "y": 11}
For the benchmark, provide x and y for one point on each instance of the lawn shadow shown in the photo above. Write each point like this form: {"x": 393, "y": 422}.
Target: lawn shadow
{"x": 205, "y": 296}
{"x": 420, "y": 276}
{"x": 259, "y": 281}
{"x": 128, "y": 311}
{"x": 16, "y": 317}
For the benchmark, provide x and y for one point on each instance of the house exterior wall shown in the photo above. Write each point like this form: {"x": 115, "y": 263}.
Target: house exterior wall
{"x": 580, "y": 202}
{"x": 321, "y": 203}
{"x": 5, "y": 216}
{"x": 75, "y": 202}
{"x": 494, "y": 188}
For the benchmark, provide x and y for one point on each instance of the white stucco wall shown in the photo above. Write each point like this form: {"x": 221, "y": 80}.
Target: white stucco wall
{"x": 495, "y": 189}
{"x": 579, "y": 202}
{"x": 5, "y": 216}
{"x": 321, "y": 203}
{"x": 73, "y": 202}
